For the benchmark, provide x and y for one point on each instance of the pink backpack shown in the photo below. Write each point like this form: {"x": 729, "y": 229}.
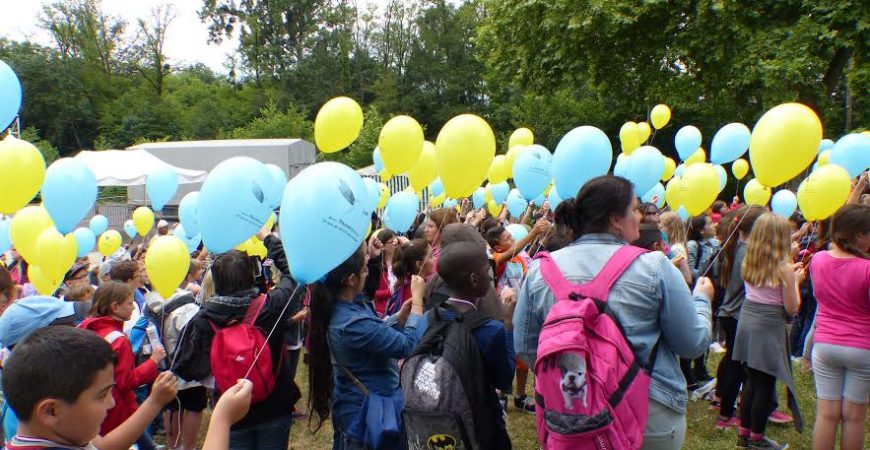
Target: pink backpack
{"x": 589, "y": 387}
{"x": 234, "y": 349}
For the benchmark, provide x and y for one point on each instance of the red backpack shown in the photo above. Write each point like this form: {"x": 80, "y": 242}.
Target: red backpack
{"x": 235, "y": 347}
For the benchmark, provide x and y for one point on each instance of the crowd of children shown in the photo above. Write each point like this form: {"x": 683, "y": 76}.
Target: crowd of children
{"x": 421, "y": 338}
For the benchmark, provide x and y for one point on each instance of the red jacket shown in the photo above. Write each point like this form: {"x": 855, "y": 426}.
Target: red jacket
{"x": 128, "y": 377}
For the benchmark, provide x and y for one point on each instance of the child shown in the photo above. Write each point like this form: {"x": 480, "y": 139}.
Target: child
{"x": 59, "y": 382}
{"x": 413, "y": 258}
{"x": 675, "y": 232}
{"x": 650, "y": 238}
{"x": 464, "y": 268}
{"x": 113, "y": 305}
{"x": 771, "y": 284}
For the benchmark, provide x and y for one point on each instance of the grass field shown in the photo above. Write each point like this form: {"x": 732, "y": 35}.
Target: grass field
{"x": 701, "y": 434}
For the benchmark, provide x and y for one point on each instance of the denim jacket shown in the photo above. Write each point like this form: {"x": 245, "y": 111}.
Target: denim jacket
{"x": 700, "y": 257}
{"x": 370, "y": 349}
{"x": 651, "y": 301}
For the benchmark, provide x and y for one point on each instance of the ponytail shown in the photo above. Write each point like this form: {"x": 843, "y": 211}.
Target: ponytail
{"x": 406, "y": 258}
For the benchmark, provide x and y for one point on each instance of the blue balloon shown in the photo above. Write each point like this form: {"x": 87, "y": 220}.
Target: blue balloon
{"x": 499, "y": 192}
{"x": 161, "y": 184}
{"x": 645, "y": 168}
{"x": 582, "y": 154}
{"x": 86, "y": 240}
{"x": 825, "y": 144}
{"x": 232, "y": 204}
{"x": 130, "y": 228}
{"x": 687, "y": 141}
{"x": 539, "y": 200}
{"x": 533, "y": 171}
{"x": 187, "y": 213}
{"x": 729, "y": 143}
{"x": 68, "y": 193}
{"x": 373, "y": 196}
{"x": 655, "y": 195}
{"x": 378, "y": 160}
{"x": 276, "y": 189}
{"x": 852, "y": 152}
{"x": 683, "y": 213}
{"x": 402, "y": 209}
{"x": 5, "y": 239}
{"x": 192, "y": 242}
{"x": 449, "y": 203}
{"x": 784, "y": 203}
{"x": 323, "y": 219}
{"x": 436, "y": 188}
{"x": 98, "y": 224}
{"x": 516, "y": 204}
{"x": 10, "y": 95}
{"x": 479, "y": 198}
{"x": 517, "y": 231}
{"x": 619, "y": 169}
{"x": 554, "y": 198}
{"x": 680, "y": 170}
{"x": 723, "y": 176}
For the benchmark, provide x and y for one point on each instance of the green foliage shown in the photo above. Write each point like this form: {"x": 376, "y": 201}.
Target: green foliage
{"x": 48, "y": 151}
{"x": 272, "y": 123}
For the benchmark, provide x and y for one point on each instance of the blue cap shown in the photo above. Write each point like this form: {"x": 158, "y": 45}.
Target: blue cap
{"x": 29, "y": 314}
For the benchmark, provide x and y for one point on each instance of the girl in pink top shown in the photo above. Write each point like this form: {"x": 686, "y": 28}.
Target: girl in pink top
{"x": 841, "y": 354}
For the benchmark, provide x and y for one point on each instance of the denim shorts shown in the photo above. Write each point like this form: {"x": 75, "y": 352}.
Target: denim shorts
{"x": 842, "y": 372}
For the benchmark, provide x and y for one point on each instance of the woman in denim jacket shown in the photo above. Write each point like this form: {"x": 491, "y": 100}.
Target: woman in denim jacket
{"x": 650, "y": 300}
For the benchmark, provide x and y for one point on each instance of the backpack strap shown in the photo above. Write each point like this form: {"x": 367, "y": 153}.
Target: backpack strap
{"x": 561, "y": 287}
{"x": 254, "y": 309}
{"x": 599, "y": 287}
{"x": 113, "y": 336}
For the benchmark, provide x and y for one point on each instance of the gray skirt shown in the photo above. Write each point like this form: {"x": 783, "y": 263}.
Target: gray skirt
{"x": 762, "y": 344}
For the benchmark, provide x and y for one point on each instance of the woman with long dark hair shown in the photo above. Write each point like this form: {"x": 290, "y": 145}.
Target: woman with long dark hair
{"x": 350, "y": 347}
{"x": 387, "y": 279}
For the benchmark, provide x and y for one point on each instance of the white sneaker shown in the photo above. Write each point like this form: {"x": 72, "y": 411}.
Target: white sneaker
{"x": 716, "y": 347}
{"x": 703, "y": 390}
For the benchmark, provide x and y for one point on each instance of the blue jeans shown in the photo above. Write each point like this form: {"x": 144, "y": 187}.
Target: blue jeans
{"x": 273, "y": 435}
{"x": 145, "y": 443}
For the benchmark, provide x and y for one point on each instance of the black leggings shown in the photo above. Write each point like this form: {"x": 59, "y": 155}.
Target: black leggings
{"x": 756, "y": 400}
{"x": 730, "y": 374}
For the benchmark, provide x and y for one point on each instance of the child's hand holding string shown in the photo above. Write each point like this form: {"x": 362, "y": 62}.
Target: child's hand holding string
{"x": 165, "y": 388}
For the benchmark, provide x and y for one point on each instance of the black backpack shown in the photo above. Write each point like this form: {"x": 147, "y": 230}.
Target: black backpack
{"x": 449, "y": 401}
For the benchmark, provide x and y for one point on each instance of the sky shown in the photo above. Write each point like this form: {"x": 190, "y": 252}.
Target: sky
{"x": 187, "y": 39}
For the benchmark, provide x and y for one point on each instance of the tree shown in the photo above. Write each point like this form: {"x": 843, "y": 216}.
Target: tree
{"x": 81, "y": 29}
{"x": 272, "y": 123}
{"x": 151, "y": 59}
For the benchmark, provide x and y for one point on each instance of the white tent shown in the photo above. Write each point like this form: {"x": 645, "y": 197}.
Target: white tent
{"x": 131, "y": 167}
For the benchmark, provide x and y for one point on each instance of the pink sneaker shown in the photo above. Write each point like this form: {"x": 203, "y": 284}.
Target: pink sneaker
{"x": 732, "y": 422}
{"x": 780, "y": 417}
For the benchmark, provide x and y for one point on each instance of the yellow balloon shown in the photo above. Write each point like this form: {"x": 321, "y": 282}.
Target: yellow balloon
{"x": 740, "y": 168}
{"x": 22, "y": 169}
{"x": 143, "y": 219}
{"x": 256, "y": 247}
{"x": 522, "y": 137}
{"x": 109, "y": 242}
{"x": 166, "y": 264}
{"x": 824, "y": 192}
{"x": 645, "y": 131}
{"x": 487, "y": 194}
{"x": 511, "y": 156}
{"x": 824, "y": 157}
{"x": 401, "y": 142}
{"x": 385, "y": 195}
{"x": 386, "y": 175}
{"x": 26, "y": 226}
{"x": 423, "y": 171}
{"x": 674, "y": 193}
{"x": 55, "y": 253}
{"x": 437, "y": 200}
{"x": 43, "y": 284}
{"x": 337, "y": 124}
{"x": 700, "y": 187}
{"x": 698, "y": 157}
{"x": 629, "y": 137}
{"x": 784, "y": 142}
{"x": 494, "y": 209}
{"x": 271, "y": 222}
{"x": 866, "y": 133}
{"x": 463, "y": 152}
{"x": 660, "y": 116}
{"x": 498, "y": 170}
{"x": 670, "y": 167}
{"x": 755, "y": 193}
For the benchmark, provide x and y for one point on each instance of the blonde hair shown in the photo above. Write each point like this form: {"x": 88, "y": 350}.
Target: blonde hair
{"x": 674, "y": 227}
{"x": 768, "y": 250}
{"x": 207, "y": 287}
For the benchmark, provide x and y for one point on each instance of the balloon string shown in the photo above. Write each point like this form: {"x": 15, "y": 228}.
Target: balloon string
{"x": 722, "y": 247}
{"x": 272, "y": 331}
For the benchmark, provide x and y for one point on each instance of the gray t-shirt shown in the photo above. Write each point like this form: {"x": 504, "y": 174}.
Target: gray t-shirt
{"x": 735, "y": 291}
